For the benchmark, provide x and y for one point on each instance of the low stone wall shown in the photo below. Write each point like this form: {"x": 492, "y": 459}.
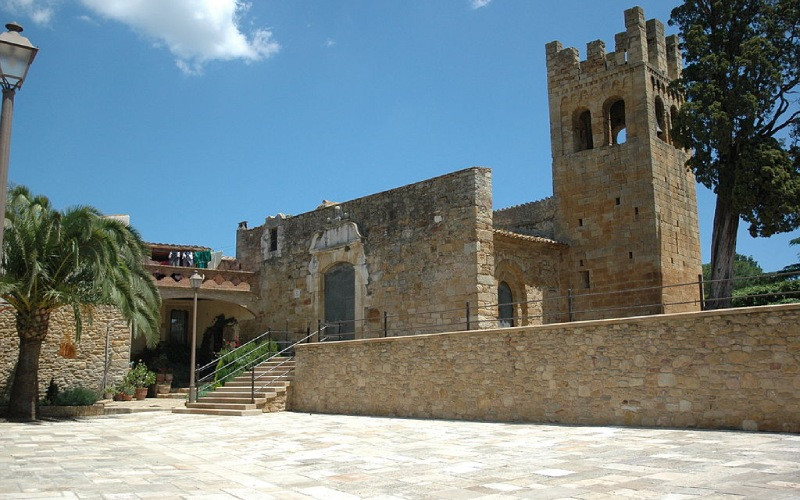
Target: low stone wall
{"x": 86, "y": 370}
{"x": 734, "y": 369}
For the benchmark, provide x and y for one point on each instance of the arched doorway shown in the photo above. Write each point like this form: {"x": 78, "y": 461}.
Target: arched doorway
{"x": 505, "y": 307}
{"x": 340, "y": 301}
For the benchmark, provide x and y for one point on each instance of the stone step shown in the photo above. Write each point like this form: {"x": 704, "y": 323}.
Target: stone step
{"x": 217, "y": 411}
{"x": 271, "y": 364}
{"x": 259, "y": 383}
{"x": 173, "y": 395}
{"x": 224, "y": 391}
{"x": 237, "y": 399}
{"x": 223, "y": 406}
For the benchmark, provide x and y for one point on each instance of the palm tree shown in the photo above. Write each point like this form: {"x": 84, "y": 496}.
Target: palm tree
{"x": 74, "y": 258}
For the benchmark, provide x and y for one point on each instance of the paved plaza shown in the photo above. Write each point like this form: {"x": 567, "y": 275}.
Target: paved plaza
{"x": 294, "y": 455}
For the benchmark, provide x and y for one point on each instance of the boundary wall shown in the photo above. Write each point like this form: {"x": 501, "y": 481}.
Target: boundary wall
{"x": 86, "y": 369}
{"x": 731, "y": 369}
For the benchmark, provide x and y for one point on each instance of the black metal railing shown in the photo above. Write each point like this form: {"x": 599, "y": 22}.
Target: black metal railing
{"x": 280, "y": 370}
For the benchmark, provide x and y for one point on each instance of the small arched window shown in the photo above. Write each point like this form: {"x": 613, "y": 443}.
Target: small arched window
{"x": 661, "y": 120}
{"x": 616, "y": 122}
{"x": 582, "y": 128}
{"x": 505, "y": 307}
{"x": 673, "y": 116}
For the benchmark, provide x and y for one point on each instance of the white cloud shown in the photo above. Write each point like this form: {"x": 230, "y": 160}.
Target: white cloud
{"x": 195, "y": 31}
{"x": 39, "y": 11}
{"x": 330, "y": 42}
{"x": 477, "y": 4}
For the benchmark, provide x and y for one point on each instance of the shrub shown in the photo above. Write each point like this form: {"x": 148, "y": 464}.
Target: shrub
{"x": 782, "y": 292}
{"x": 231, "y": 363}
{"x": 77, "y": 396}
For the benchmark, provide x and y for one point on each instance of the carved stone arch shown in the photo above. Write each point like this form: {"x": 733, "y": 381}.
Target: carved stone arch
{"x": 582, "y": 133}
{"x": 509, "y": 273}
{"x": 340, "y": 243}
{"x": 615, "y": 119}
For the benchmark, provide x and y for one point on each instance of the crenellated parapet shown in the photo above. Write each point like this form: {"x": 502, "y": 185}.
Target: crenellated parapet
{"x": 641, "y": 42}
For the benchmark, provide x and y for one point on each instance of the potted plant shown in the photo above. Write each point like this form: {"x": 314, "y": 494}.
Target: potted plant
{"x": 141, "y": 379}
{"x": 124, "y": 391}
{"x": 109, "y": 391}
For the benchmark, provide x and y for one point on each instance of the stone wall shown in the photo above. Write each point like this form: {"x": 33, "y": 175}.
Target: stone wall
{"x": 737, "y": 369}
{"x": 86, "y": 370}
{"x": 534, "y": 218}
{"x": 419, "y": 253}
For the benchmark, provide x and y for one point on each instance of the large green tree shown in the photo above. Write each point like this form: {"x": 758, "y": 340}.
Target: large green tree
{"x": 73, "y": 258}
{"x": 740, "y": 81}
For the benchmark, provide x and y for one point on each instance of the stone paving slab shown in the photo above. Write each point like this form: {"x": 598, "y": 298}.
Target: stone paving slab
{"x": 300, "y": 456}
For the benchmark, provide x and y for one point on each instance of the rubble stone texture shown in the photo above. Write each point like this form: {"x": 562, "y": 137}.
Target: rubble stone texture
{"x": 733, "y": 369}
{"x": 86, "y": 369}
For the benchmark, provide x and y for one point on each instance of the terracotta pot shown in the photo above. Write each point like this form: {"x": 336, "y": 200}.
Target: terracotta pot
{"x": 121, "y": 396}
{"x": 163, "y": 388}
{"x": 168, "y": 378}
{"x": 140, "y": 393}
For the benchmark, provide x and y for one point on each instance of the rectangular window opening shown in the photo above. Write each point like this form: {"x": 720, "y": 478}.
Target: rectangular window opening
{"x": 630, "y": 255}
{"x": 273, "y": 239}
{"x": 585, "y": 282}
{"x": 617, "y": 201}
{"x": 580, "y": 222}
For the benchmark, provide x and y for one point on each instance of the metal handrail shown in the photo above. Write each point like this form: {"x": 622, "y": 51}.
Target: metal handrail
{"x": 215, "y": 361}
{"x": 253, "y": 377}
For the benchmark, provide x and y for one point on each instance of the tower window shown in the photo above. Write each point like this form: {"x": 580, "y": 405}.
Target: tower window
{"x": 661, "y": 121}
{"x": 673, "y": 115}
{"x": 582, "y": 127}
{"x": 580, "y": 222}
{"x": 617, "y": 201}
{"x": 615, "y": 120}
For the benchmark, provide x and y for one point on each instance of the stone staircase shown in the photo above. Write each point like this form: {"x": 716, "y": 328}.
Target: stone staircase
{"x": 234, "y": 397}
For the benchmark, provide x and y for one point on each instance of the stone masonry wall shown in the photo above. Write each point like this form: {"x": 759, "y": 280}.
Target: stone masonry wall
{"x": 535, "y": 218}
{"x": 420, "y": 253}
{"x": 737, "y": 369}
{"x": 86, "y": 370}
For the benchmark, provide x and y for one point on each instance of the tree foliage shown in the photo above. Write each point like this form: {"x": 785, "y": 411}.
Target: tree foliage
{"x": 75, "y": 259}
{"x": 742, "y": 71}
{"x": 745, "y": 266}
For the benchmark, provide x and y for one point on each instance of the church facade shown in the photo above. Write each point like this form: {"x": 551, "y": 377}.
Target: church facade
{"x": 619, "y": 237}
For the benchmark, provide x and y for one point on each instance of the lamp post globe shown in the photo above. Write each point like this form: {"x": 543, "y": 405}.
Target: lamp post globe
{"x": 195, "y": 280}
{"x": 16, "y": 56}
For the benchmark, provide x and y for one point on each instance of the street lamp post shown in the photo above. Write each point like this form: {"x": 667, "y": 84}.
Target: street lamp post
{"x": 195, "y": 280}
{"x": 16, "y": 56}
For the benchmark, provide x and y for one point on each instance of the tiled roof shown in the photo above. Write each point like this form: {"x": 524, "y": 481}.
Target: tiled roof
{"x": 181, "y": 248}
{"x": 527, "y": 237}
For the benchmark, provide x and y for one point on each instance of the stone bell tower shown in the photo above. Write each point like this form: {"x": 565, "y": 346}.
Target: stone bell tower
{"x": 626, "y": 204}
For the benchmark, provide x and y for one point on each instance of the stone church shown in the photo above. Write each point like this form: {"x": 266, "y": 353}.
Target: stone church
{"x": 619, "y": 236}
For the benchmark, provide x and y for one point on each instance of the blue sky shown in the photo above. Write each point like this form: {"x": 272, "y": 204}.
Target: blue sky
{"x": 191, "y": 116}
